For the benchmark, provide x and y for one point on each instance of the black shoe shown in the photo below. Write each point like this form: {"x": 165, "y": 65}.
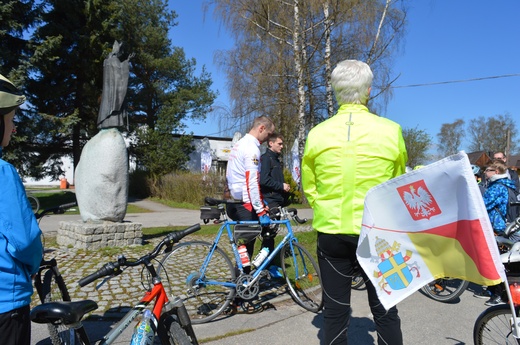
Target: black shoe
{"x": 494, "y": 300}
{"x": 483, "y": 294}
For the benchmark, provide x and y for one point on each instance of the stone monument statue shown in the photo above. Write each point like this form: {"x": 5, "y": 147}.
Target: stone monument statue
{"x": 115, "y": 83}
{"x": 101, "y": 177}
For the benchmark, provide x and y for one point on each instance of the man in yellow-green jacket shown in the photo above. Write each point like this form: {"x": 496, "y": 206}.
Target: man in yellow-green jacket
{"x": 344, "y": 157}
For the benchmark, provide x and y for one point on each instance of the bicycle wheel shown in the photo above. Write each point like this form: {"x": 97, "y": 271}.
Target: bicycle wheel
{"x": 175, "y": 334}
{"x": 445, "y": 289}
{"x": 54, "y": 289}
{"x": 35, "y": 203}
{"x": 302, "y": 276}
{"x": 358, "y": 283}
{"x": 183, "y": 278}
{"x": 493, "y": 326}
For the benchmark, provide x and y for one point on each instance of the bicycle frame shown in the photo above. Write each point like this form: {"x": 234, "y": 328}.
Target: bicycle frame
{"x": 38, "y": 284}
{"x": 160, "y": 296}
{"x": 289, "y": 238}
{"x": 48, "y": 281}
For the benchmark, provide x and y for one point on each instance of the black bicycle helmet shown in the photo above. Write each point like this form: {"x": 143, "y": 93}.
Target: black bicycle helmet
{"x": 10, "y": 99}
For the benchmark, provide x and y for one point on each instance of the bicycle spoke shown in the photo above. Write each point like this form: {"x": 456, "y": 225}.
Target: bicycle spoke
{"x": 302, "y": 276}
{"x": 493, "y": 326}
{"x": 181, "y": 276}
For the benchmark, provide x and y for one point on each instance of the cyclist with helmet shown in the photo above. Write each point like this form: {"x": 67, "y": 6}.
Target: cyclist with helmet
{"x": 20, "y": 242}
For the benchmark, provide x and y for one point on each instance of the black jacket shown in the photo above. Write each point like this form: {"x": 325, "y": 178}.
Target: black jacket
{"x": 271, "y": 178}
{"x": 514, "y": 177}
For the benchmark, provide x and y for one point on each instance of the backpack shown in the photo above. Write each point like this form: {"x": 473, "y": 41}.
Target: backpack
{"x": 512, "y": 212}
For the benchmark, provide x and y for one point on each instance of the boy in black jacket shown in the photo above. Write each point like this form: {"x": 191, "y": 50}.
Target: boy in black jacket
{"x": 274, "y": 189}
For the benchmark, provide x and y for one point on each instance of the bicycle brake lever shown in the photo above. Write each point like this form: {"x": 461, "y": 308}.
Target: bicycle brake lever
{"x": 109, "y": 277}
{"x": 103, "y": 282}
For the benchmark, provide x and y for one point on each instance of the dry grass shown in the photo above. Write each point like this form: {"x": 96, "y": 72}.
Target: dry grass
{"x": 189, "y": 187}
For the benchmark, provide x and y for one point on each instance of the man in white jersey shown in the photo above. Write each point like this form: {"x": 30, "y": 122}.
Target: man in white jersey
{"x": 243, "y": 176}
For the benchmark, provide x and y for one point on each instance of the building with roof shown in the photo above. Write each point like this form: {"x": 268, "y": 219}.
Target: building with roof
{"x": 479, "y": 158}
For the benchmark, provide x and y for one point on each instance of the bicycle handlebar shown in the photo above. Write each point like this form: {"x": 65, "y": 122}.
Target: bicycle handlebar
{"x": 56, "y": 210}
{"x": 110, "y": 269}
{"x": 113, "y": 268}
{"x": 294, "y": 214}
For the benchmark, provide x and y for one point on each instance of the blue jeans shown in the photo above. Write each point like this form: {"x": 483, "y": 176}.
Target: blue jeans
{"x": 338, "y": 263}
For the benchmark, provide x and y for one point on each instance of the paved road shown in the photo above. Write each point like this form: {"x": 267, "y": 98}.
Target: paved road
{"x": 424, "y": 321}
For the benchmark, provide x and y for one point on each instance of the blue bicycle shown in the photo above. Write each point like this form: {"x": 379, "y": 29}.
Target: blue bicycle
{"x": 207, "y": 280}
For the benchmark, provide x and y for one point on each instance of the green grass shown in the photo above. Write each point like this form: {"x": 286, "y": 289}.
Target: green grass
{"x": 208, "y": 233}
{"x": 50, "y": 199}
{"x": 171, "y": 203}
{"x": 305, "y": 238}
{"x": 206, "y": 230}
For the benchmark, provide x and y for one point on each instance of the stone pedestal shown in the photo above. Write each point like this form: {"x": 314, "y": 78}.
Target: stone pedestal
{"x": 96, "y": 235}
{"x": 101, "y": 178}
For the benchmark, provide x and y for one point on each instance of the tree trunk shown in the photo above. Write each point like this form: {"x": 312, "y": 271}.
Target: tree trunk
{"x": 328, "y": 65}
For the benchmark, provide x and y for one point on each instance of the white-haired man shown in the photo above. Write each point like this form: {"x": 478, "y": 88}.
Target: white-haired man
{"x": 344, "y": 157}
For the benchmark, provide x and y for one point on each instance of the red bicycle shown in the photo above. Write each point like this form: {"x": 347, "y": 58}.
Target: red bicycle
{"x": 170, "y": 320}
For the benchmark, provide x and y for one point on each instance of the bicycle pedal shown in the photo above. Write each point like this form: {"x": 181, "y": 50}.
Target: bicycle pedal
{"x": 250, "y": 308}
{"x": 268, "y": 305}
{"x": 231, "y": 310}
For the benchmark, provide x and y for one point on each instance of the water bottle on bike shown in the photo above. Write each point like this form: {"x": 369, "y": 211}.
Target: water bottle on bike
{"x": 244, "y": 256}
{"x": 144, "y": 332}
{"x": 260, "y": 257}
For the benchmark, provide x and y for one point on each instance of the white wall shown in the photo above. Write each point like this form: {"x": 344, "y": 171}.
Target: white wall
{"x": 68, "y": 168}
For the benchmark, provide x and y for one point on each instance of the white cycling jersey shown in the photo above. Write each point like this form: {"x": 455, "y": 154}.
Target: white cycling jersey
{"x": 243, "y": 171}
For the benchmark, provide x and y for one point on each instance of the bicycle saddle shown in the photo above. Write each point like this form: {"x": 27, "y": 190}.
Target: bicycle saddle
{"x": 62, "y": 312}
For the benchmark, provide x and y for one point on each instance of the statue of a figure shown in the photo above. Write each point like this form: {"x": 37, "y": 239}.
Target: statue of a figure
{"x": 101, "y": 176}
{"x": 115, "y": 82}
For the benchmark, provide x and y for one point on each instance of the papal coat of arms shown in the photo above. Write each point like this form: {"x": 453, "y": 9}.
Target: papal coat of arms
{"x": 394, "y": 268}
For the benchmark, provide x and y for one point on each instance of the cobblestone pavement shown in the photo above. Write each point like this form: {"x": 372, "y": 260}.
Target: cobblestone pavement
{"x": 119, "y": 293}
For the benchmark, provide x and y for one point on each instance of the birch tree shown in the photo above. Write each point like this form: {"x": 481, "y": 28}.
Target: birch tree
{"x": 312, "y": 36}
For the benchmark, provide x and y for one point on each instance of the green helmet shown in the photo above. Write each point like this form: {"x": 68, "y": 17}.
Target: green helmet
{"x": 10, "y": 96}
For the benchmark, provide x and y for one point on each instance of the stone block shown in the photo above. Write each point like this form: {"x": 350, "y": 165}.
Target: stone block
{"x": 100, "y": 234}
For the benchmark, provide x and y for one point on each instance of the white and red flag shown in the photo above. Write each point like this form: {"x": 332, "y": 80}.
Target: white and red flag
{"x": 427, "y": 224}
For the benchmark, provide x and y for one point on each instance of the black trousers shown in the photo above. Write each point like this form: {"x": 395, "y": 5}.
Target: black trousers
{"x": 238, "y": 212}
{"x": 338, "y": 263}
{"x": 15, "y": 327}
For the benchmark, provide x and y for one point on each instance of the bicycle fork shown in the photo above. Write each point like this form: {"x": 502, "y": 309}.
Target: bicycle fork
{"x": 177, "y": 307}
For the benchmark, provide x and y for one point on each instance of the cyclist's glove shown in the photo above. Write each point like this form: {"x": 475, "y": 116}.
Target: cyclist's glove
{"x": 265, "y": 220}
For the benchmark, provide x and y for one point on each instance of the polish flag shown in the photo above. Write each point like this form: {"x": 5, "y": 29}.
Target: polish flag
{"x": 427, "y": 224}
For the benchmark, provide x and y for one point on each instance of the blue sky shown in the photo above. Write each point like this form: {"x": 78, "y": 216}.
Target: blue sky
{"x": 446, "y": 40}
